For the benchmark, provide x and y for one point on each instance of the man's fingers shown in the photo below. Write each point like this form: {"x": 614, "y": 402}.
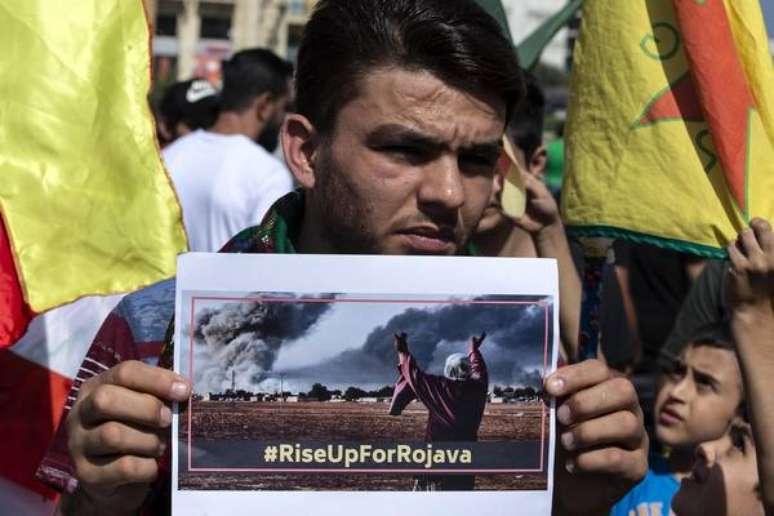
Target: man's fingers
{"x": 140, "y": 377}
{"x": 531, "y": 183}
{"x": 575, "y": 377}
{"x": 751, "y": 248}
{"x": 738, "y": 260}
{"x": 107, "y": 402}
{"x": 625, "y": 464}
{"x": 114, "y": 471}
{"x": 616, "y": 394}
{"x": 114, "y": 438}
{"x": 763, "y": 233}
{"x": 622, "y": 428}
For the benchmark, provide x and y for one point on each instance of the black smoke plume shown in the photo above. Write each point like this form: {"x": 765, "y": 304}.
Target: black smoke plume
{"x": 513, "y": 349}
{"x": 244, "y": 338}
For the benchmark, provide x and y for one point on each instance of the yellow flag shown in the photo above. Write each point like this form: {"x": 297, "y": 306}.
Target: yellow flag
{"x": 670, "y": 137}
{"x": 87, "y": 205}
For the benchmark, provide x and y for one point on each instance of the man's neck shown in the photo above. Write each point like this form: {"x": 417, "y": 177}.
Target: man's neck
{"x": 231, "y": 123}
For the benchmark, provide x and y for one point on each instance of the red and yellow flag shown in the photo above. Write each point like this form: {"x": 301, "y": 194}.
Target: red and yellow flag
{"x": 86, "y": 206}
{"x": 670, "y": 137}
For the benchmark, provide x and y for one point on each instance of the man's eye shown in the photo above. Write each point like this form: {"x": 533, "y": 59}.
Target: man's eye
{"x": 404, "y": 150}
{"x": 406, "y": 153}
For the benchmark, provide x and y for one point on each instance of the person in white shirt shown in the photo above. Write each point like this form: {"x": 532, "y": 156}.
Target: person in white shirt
{"x": 225, "y": 181}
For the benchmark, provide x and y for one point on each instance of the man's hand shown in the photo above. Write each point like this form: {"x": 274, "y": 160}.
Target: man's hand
{"x": 750, "y": 295}
{"x": 602, "y": 448}
{"x": 750, "y": 281}
{"x": 541, "y": 212}
{"x": 401, "y": 342}
{"x": 116, "y": 429}
{"x": 477, "y": 341}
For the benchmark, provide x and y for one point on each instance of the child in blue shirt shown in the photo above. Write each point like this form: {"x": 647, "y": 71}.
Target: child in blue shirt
{"x": 698, "y": 399}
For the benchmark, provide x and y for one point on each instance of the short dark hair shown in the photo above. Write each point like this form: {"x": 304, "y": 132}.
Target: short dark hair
{"x": 251, "y": 73}
{"x": 526, "y": 125}
{"x": 193, "y": 102}
{"x": 716, "y": 334}
{"x": 455, "y": 40}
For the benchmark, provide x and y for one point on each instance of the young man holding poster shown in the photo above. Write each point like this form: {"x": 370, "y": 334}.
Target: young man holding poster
{"x": 401, "y": 109}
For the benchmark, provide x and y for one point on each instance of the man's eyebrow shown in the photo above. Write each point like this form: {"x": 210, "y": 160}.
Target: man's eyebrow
{"x": 396, "y": 133}
{"x": 491, "y": 147}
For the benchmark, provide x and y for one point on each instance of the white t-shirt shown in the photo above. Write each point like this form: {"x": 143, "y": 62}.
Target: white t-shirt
{"x": 225, "y": 184}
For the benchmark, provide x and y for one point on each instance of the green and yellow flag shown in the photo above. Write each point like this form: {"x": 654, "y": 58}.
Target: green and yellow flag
{"x": 86, "y": 206}
{"x": 670, "y": 137}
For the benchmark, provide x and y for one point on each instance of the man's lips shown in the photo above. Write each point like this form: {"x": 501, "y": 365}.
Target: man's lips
{"x": 669, "y": 416}
{"x": 428, "y": 239}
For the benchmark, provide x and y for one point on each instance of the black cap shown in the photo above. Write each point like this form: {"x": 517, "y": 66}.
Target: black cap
{"x": 193, "y": 102}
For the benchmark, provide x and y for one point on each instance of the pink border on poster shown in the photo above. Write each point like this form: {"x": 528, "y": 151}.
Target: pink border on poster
{"x": 541, "y": 469}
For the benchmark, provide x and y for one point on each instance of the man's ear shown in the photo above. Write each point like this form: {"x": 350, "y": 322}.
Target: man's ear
{"x": 537, "y": 162}
{"x": 300, "y": 144}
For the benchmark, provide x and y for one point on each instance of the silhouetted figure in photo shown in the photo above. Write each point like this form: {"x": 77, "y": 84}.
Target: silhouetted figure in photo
{"x": 455, "y": 402}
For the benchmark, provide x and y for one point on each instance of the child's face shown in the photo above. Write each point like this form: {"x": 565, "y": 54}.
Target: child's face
{"x": 697, "y": 400}
{"x": 724, "y": 480}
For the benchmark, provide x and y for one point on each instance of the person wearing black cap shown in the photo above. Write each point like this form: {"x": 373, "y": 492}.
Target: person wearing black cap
{"x": 185, "y": 107}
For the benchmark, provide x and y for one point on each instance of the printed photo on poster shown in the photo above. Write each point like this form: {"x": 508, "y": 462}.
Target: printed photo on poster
{"x": 381, "y": 391}
{"x": 296, "y": 390}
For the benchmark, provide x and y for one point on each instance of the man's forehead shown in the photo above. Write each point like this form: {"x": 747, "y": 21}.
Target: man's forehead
{"x": 420, "y": 102}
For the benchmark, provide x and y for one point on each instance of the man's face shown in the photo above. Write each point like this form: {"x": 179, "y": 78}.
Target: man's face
{"x": 493, "y": 214}
{"x": 269, "y": 137}
{"x": 699, "y": 398}
{"x": 409, "y": 167}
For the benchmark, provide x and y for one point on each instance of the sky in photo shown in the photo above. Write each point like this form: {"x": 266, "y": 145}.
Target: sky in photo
{"x": 347, "y": 343}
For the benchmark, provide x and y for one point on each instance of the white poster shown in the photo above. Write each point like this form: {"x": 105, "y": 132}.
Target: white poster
{"x": 364, "y": 385}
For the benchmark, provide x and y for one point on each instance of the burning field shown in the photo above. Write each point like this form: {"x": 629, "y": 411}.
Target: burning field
{"x": 345, "y": 421}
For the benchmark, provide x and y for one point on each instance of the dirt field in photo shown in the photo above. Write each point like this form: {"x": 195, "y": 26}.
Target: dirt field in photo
{"x": 344, "y": 421}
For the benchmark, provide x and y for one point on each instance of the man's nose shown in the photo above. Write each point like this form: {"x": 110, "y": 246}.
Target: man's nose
{"x": 442, "y": 184}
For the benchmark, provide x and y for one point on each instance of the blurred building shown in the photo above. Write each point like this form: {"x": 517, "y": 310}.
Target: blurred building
{"x": 191, "y": 37}
{"x": 524, "y": 16}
